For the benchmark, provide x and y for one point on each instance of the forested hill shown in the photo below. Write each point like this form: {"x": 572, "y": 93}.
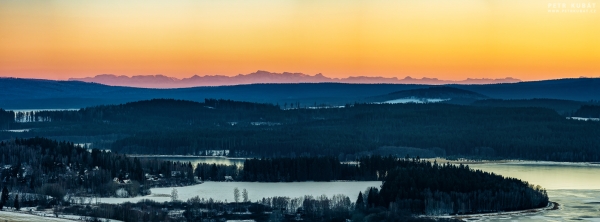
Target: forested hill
{"x": 159, "y": 112}
{"x": 563, "y": 107}
{"x": 37, "y": 94}
{"x": 484, "y": 132}
{"x": 579, "y": 89}
{"x": 149, "y": 115}
{"x": 250, "y": 129}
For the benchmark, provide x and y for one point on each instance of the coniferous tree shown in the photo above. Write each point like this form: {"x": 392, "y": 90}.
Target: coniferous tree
{"x": 16, "y": 204}
{"x": 359, "y": 201}
{"x": 4, "y": 197}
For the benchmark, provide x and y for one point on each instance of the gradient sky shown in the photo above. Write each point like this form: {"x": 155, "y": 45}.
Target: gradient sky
{"x": 392, "y": 38}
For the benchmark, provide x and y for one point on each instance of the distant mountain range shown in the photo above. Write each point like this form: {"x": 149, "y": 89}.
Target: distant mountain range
{"x": 161, "y": 81}
{"x": 47, "y": 94}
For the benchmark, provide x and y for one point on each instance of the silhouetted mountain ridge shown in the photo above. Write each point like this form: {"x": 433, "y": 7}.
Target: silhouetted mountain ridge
{"x": 161, "y": 81}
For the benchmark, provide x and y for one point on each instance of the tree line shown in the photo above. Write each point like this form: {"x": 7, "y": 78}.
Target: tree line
{"x": 588, "y": 111}
{"x": 6, "y": 118}
{"x": 299, "y": 169}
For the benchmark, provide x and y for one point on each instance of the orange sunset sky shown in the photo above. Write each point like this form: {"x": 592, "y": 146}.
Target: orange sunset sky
{"x": 444, "y": 39}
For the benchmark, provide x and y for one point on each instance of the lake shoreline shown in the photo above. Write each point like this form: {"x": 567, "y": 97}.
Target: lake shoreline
{"x": 437, "y": 159}
{"x": 551, "y": 206}
{"x": 184, "y": 156}
{"x": 508, "y": 161}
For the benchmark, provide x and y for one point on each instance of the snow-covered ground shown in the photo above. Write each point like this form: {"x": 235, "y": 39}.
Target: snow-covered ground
{"x": 17, "y": 130}
{"x": 30, "y": 214}
{"x": 224, "y": 190}
{"x": 317, "y": 107}
{"x": 584, "y": 119}
{"x": 13, "y": 216}
{"x": 414, "y": 100}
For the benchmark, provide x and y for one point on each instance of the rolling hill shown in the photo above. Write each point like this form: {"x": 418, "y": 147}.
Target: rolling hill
{"x": 34, "y": 93}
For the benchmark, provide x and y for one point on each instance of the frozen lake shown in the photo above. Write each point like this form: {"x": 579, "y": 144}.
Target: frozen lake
{"x": 576, "y": 187}
{"x": 415, "y": 100}
{"x": 550, "y": 175}
{"x": 224, "y": 190}
{"x": 17, "y": 130}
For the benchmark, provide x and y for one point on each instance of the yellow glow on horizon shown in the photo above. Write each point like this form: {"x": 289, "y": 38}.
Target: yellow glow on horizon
{"x": 431, "y": 38}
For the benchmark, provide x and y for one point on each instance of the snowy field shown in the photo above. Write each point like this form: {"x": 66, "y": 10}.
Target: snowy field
{"x": 415, "y": 100}
{"x": 584, "y": 119}
{"x": 224, "y": 190}
{"x": 17, "y": 130}
{"x": 18, "y": 217}
{"x": 30, "y": 214}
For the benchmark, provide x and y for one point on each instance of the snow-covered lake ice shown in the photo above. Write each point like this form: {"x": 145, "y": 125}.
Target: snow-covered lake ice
{"x": 17, "y": 130}
{"x": 224, "y": 190}
{"x": 575, "y": 186}
{"x": 415, "y": 100}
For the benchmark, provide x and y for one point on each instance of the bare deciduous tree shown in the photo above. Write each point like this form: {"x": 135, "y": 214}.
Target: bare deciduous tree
{"x": 236, "y": 194}
{"x": 174, "y": 195}
{"x": 245, "y": 196}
